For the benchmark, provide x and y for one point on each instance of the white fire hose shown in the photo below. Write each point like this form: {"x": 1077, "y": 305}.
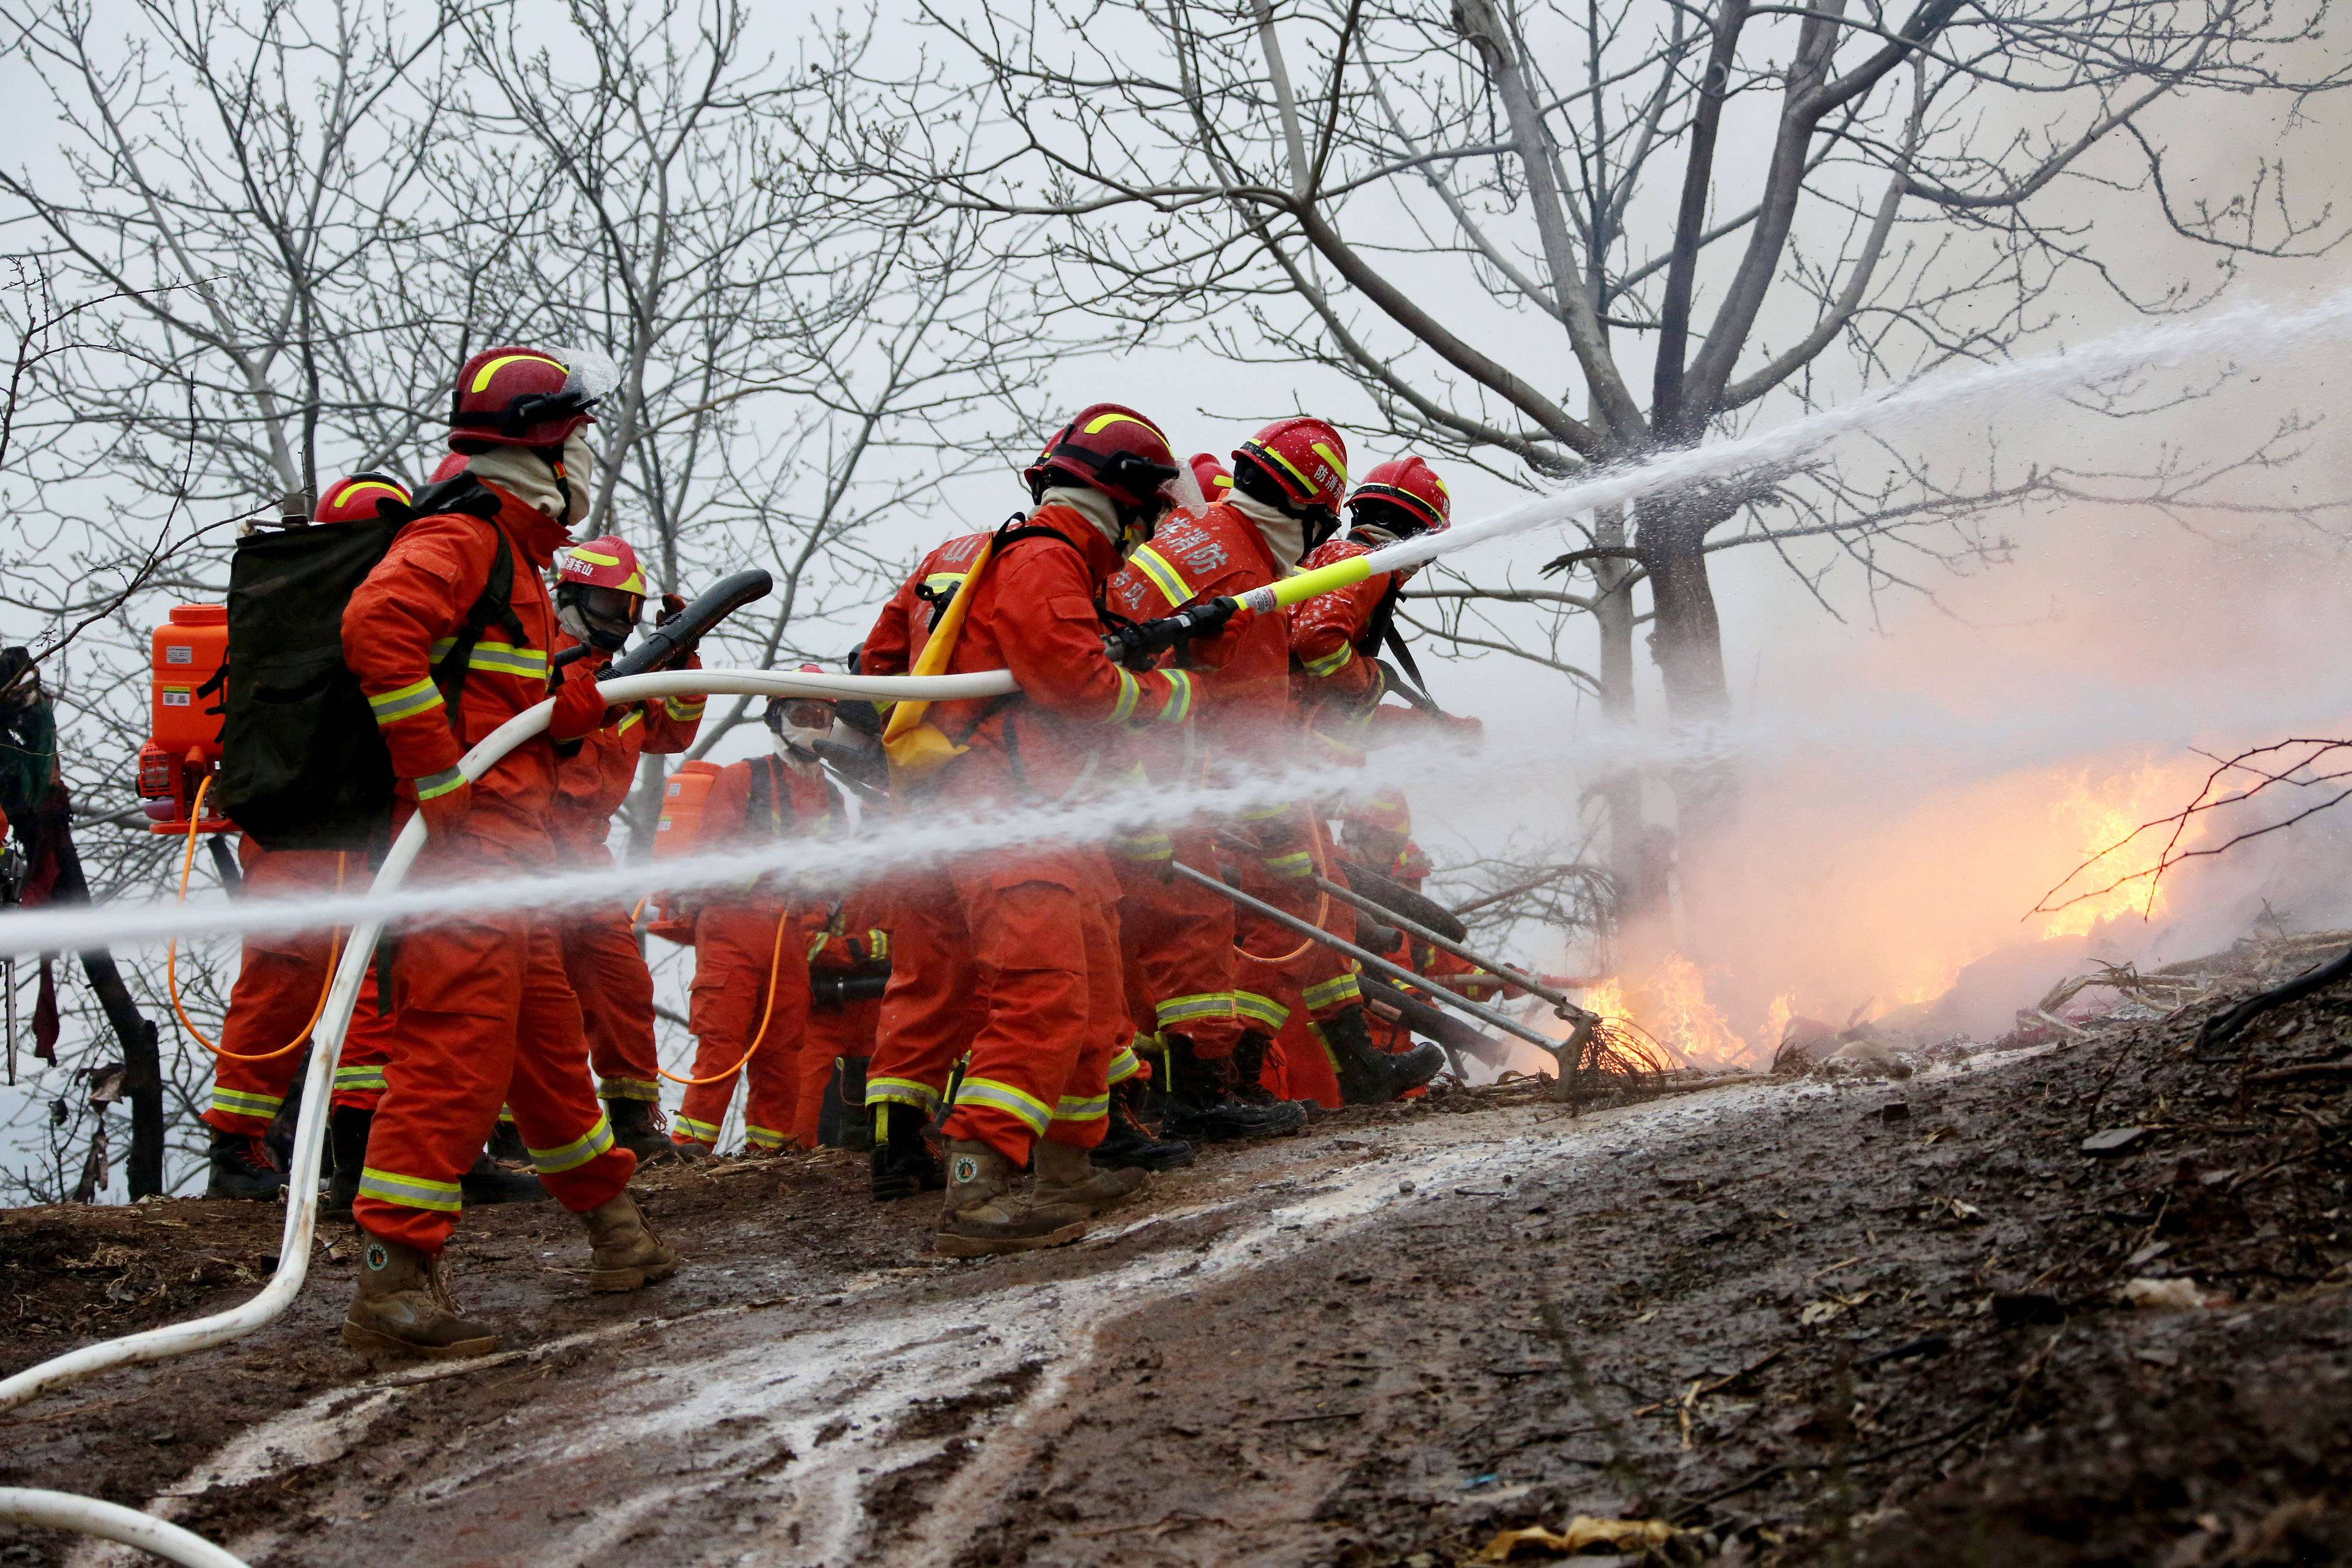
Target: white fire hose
{"x": 63, "y": 1510}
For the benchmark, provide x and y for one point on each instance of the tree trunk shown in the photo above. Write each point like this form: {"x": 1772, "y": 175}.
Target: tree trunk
{"x": 1641, "y": 905}
{"x": 141, "y": 1056}
{"x": 1687, "y": 640}
{"x": 645, "y": 807}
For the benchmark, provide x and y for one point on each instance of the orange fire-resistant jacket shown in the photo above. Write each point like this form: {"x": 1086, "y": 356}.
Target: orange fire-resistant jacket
{"x": 1245, "y": 670}
{"x": 407, "y": 615}
{"x": 591, "y": 785}
{"x": 1033, "y": 614}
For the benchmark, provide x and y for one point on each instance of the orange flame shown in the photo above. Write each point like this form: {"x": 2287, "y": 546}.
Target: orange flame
{"x": 1669, "y": 1004}
{"x": 2100, "y": 823}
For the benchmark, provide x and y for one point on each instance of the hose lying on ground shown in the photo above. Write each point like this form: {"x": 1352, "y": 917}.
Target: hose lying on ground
{"x": 310, "y": 1133}
{"x": 112, "y": 1521}
{"x": 63, "y": 1510}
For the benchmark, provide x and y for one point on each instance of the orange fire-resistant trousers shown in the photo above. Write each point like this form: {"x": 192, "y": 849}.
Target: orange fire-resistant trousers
{"x": 736, "y": 954}
{"x": 1015, "y": 959}
{"x": 1277, "y": 971}
{"x": 1299, "y": 1067}
{"x": 832, "y": 1032}
{"x": 483, "y": 1016}
{"x": 279, "y": 985}
{"x": 1178, "y": 941}
{"x": 608, "y": 974}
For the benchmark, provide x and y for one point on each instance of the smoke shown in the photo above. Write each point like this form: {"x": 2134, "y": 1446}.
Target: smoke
{"x": 2026, "y": 720}
{"x": 2201, "y": 349}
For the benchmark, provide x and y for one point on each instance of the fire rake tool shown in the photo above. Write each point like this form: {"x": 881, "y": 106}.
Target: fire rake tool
{"x": 1563, "y": 1052}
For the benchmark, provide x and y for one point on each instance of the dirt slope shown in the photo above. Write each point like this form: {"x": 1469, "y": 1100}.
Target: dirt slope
{"x": 1873, "y": 1322}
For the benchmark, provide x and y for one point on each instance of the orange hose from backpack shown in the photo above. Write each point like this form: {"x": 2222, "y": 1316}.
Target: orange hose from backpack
{"x": 172, "y": 953}
{"x": 776, "y": 973}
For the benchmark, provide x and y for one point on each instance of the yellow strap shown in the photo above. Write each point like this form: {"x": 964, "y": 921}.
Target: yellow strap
{"x": 908, "y": 714}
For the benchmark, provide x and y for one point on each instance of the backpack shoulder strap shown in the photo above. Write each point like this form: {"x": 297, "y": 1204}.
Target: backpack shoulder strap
{"x": 759, "y": 808}
{"x": 495, "y": 607}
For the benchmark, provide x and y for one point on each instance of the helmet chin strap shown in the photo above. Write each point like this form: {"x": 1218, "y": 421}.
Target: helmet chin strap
{"x": 801, "y": 761}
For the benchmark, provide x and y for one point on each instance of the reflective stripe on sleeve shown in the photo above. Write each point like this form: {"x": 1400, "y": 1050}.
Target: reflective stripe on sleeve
{"x": 1131, "y": 691}
{"x": 1180, "y": 696}
{"x": 412, "y": 1192}
{"x": 1291, "y": 867}
{"x": 1332, "y": 663}
{"x": 1123, "y": 1066}
{"x": 417, "y": 696}
{"x": 684, "y": 709}
{"x": 634, "y": 717}
{"x": 433, "y": 786}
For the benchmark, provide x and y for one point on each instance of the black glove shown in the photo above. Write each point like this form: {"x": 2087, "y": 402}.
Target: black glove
{"x": 1139, "y": 645}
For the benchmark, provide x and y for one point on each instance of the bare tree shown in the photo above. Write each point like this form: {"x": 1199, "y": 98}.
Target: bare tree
{"x": 271, "y": 236}
{"x": 1541, "y": 237}
{"x": 794, "y": 368}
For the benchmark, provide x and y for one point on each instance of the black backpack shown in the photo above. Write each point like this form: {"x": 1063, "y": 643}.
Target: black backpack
{"x": 303, "y": 765}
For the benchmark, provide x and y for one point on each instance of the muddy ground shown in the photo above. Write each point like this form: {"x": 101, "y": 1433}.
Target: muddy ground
{"x": 1862, "y": 1322}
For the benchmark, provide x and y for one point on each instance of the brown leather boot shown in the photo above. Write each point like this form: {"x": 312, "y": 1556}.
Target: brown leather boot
{"x": 629, "y": 1255}
{"x": 982, "y": 1217}
{"x": 403, "y": 1308}
{"x": 1067, "y": 1175}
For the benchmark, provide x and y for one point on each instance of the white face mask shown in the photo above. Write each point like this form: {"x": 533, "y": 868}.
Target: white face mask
{"x": 797, "y": 746}
{"x": 580, "y": 473}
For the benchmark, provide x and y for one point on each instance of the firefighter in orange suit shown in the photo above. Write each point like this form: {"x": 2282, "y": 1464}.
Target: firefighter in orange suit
{"x": 925, "y": 1018}
{"x": 282, "y": 977}
{"x": 848, "y": 956}
{"x": 1182, "y": 935}
{"x": 1335, "y": 640}
{"x": 599, "y": 593}
{"x": 751, "y": 995}
{"x": 483, "y": 1013}
{"x": 1288, "y": 481}
{"x": 1021, "y": 947}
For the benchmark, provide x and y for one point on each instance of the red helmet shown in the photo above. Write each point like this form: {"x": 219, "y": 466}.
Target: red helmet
{"x": 1304, "y": 457}
{"x": 779, "y": 707}
{"x": 513, "y": 396}
{"x": 1111, "y": 448}
{"x": 608, "y": 562}
{"x": 1211, "y": 476}
{"x": 599, "y": 591}
{"x": 1409, "y": 486}
{"x": 354, "y": 499}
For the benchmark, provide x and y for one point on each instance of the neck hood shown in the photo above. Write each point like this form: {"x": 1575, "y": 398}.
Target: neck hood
{"x": 1285, "y": 536}
{"x": 1091, "y": 505}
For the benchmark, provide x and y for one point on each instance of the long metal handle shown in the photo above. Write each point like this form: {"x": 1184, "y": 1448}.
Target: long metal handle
{"x": 1371, "y": 960}
{"x": 1558, "y": 999}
